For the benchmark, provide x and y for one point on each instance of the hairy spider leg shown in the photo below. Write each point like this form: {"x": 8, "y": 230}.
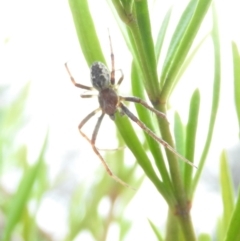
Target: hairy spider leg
{"x": 96, "y": 129}
{"x": 75, "y": 83}
{"x": 88, "y": 96}
{"x": 143, "y": 103}
{"x": 113, "y": 66}
{"x": 120, "y": 79}
{"x": 92, "y": 143}
{"x": 126, "y": 111}
{"x": 112, "y": 61}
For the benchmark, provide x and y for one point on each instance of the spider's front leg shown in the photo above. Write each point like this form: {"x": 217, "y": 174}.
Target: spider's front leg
{"x": 75, "y": 83}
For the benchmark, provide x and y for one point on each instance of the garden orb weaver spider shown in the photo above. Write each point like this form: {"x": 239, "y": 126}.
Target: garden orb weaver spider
{"x": 110, "y": 102}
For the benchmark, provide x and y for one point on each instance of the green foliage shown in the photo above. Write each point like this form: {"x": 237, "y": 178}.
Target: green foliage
{"x": 215, "y": 96}
{"x": 227, "y": 193}
{"x": 236, "y": 72}
{"x": 233, "y": 232}
{"x": 138, "y": 33}
{"x": 175, "y": 181}
{"x": 181, "y": 42}
{"x": 21, "y": 197}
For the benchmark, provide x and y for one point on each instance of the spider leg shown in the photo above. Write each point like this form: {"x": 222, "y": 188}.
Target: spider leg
{"x": 115, "y": 149}
{"x": 74, "y": 82}
{"x": 112, "y": 61}
{"x": 96, "y": 129}
{"x": 113, "y": 65}
{"x": 152, "y": 134}
{"x": 143, "y": 103}
{"x": 120, "y": 80}
{"x": 88, "y": 96}
{"x": 92, "y": 143}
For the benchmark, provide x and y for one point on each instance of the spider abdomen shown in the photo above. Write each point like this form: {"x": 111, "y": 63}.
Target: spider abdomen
{"x": 100, "y": 76}
{"x": 108, "y": 100}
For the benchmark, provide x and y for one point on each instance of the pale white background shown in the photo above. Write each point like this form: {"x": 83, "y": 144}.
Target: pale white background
{"x": 38, "y": 37}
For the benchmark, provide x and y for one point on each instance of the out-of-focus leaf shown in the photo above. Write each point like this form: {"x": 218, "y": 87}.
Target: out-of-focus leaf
{"x": 220, "y": 231}
{"x": 236, "y": 72}
{"x": 156, "y": 231}
{"x": 125, "y": 226}
{"x": 227, "y": 191}
{"x": 215, "y": 97}
{"x": 15, "y": 112}
{"x": 21, "y": 197}
{"x": 29, "y": 226}
{"x": 76, "y": 214}
{"x": 233, "y": 232}
{"x": 204, "y": 237}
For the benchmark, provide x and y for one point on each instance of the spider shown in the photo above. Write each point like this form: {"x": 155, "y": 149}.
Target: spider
{"x": 110, "y": 102}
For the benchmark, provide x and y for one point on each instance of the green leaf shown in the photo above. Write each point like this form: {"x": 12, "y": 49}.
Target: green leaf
{"x": 142, "y": 39}
{"x": 133, "y": 143}
{"x": 204, "y": 237}
{"x": 125, "y": 226}
{"x": 188, "y": 60}
{"x": 86, "y": 32}
{"x": 179, "y": 134}
{"x": 215, "y": 97}
{"x": 124, "y": 10}
{"x": 236, "y": 72}
{"x": 227, "y": 191}
{"x": 22, "y": 195}
{"x": 181, "y": 42}
{"x": 191, "y": 130}
{"x": 155, "y": 230}
{"x": 233, "y": 232}
{"x": 13, "y": 116}
{"x": 161, "y": 34}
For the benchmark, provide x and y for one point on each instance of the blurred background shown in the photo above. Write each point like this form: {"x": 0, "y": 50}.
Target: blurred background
{"x": 38, "y": 104}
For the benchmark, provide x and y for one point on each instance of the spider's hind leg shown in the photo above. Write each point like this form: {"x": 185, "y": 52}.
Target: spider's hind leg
{"x": 143, "y": 103}
{"x": 92, "y": 143}
{"x": 152, "y": 134}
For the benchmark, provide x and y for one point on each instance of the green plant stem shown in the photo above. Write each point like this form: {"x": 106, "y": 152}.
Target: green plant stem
{"x": 146, "y": 117}
{"x": 140, "y": 28}
{"x": 172, "y": 227}
{"x": 181, "y": 208}
{"x": 141, "y": 33}
{"x": 133, "y": 143}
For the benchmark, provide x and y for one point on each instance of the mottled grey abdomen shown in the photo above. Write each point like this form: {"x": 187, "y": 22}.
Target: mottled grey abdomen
{"x": 100, "y": 76}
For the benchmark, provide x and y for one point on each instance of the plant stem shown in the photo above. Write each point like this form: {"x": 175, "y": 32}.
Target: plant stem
{"x": 182, "y": 207}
